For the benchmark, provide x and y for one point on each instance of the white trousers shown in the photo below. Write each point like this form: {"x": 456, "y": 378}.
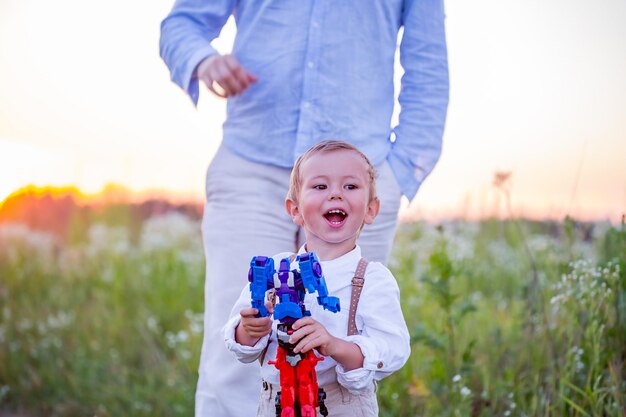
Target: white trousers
{"x": 245, "y": 216}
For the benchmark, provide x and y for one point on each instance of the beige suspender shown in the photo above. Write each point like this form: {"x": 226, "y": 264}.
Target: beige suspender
{"x": 357, "y": 287}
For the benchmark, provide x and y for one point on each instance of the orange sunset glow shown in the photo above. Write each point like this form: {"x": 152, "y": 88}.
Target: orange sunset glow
{"x": 539, "y": 95}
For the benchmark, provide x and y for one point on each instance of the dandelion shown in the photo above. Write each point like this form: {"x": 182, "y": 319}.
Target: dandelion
{"x": 456, "y": 378}
{"x": 170, "y": 231}
{"x": 196, "y": 321}
{"x": 475, "y": 297}
{"x": 17, "y": 240}
{"x": 465, "y": 391}
{"x": 105, "y": 239}
{"x": 24, "y": 325}
{"x": 170, "y": 339}
{"x": 152, "y": 323}
{"x": 557, "y": 299}
{"x": 107, "y": 275}
{"x": 141, "y": 406}
{"x": 145, "y": 269}
{"x": 4, "y": 391}
{"x": 182, "y": 336}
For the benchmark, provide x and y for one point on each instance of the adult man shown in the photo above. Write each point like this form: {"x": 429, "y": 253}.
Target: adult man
{"x": 300, "y": 72}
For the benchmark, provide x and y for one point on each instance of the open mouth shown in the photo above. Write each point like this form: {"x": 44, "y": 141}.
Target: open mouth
{"x": 335, "y": 217}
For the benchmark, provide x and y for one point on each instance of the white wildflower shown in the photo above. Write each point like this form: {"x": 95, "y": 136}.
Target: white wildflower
{"x": 171, "y": 231}
{"x": 152, "y": 323}
{"x": 182, "y": 336}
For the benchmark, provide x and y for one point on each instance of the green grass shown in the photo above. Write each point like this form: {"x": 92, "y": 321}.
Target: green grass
{"x": 506, "y": 319}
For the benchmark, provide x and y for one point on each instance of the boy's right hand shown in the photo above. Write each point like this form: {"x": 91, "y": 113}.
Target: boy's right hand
{"x": 252, "y": 328}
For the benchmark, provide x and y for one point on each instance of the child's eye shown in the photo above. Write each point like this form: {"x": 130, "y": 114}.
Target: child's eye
{"x": 320, "y": 186}
{"x": 350, "y": 187}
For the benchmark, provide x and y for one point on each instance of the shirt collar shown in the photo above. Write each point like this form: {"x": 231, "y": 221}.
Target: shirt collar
{"x": 349, "y": 259}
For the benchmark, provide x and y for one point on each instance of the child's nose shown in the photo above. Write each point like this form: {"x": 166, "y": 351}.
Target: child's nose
{"x": 335, "y": 194}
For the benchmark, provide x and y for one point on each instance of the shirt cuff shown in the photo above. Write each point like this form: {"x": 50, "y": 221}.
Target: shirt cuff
{"x": 405, "y": 175}
{"x": 360, "y": 380}
{"x": 245, "y": 354}
{"x": 189, "y": 79}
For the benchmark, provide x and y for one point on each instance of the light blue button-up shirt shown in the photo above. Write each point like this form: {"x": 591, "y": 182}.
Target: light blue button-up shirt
{"x": 325, "y": 71}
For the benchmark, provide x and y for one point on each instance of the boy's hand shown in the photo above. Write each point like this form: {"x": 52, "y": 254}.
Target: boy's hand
{"x": 310, "y": 334}
{"x": 255, "y": 326}
{"x": 252, "y": 328}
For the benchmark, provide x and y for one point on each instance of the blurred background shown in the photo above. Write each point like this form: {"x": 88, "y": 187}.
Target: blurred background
{"x": 537, "y": 90}
{"x": 511, "y": 260}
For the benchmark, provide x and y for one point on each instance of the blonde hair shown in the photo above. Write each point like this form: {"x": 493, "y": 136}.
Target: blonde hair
{"x": 327, "y": 146}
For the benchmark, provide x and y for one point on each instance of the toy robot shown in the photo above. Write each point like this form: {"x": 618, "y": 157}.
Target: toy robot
{"x": 299, "y": 394}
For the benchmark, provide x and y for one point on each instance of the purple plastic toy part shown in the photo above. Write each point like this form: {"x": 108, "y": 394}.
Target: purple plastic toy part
{"x": 317, "y": 269}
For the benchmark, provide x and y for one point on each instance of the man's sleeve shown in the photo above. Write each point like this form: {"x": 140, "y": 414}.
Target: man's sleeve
{"x": 423, "y": 95}
{"x": 186, "y": 35}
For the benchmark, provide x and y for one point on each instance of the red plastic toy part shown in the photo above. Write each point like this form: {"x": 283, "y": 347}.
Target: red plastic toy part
{"x": 299, "y": 395}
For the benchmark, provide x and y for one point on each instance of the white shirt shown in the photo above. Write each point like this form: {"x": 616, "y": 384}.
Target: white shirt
{"x": 383, "y": 336}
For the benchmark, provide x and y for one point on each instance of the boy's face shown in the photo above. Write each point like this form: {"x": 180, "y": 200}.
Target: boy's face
{"x": 334, "y": 202}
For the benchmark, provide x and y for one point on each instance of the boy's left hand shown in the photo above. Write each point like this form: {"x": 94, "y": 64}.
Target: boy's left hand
{"x": 310, "y": 334}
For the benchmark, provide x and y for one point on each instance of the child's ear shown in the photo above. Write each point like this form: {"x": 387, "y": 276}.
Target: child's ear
{"x": 294, "y": 212}
{"x": 373, "y": 207}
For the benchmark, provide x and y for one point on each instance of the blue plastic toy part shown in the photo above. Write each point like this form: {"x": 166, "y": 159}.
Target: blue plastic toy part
{"x": 286, "y": 309}
{"x": 261, "y": 278}
{"x": 313, "y": 280}
{"x": 289, "y": 292}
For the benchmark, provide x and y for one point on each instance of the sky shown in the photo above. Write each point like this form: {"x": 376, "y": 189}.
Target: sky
{"x": 538, "y": 89}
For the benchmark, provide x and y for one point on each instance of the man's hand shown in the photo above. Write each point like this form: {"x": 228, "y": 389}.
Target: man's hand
{"x": 225, "y": 73}
{"x": 251, "y": 328}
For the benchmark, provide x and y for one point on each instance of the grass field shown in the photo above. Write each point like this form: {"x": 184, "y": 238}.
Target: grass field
{"x": 507, "y": 318}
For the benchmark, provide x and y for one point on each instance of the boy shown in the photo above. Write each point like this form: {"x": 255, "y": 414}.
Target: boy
{"x": 332, "y": 196}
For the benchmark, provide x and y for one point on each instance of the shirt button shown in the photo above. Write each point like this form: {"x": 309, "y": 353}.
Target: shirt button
{"x": 316, "y": 25}
{"x": 379, "y": 365}
{"x": 310, "y": 64}
{"x": 306, "y": 104}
